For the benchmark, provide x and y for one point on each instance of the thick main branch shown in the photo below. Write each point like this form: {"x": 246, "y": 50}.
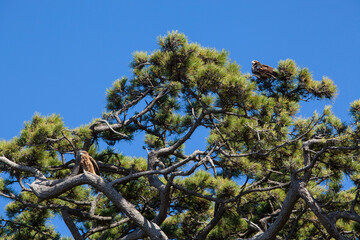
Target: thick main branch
{"x": 46, "y": 189}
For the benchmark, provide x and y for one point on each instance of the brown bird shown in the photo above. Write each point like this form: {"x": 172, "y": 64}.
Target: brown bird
{"x": 88, "y": 163}
{"x": 262, "y": 71}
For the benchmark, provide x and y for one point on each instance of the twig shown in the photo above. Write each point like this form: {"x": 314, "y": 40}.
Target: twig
{"x": 116, "y": 132}
{"x": 71, "y": 143}
{"x": 102, "y": 228}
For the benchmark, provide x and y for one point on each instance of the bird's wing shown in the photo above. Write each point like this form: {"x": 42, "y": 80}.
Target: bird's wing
{"x": 96, "y": 167}
{"x": 83, "y": 163}
{"x": 266, "y": 68}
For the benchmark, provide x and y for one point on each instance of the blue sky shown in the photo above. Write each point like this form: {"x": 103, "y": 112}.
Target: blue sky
{"x": 61, "y": 56}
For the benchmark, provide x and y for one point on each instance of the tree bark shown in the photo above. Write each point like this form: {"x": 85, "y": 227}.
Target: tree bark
{"x": 282, "y": 218}
{"x": 217, "y": 217}
{"x": 317, "y": 210}
{"x": 71, "y": 225}
{"x": 46, "y": 189}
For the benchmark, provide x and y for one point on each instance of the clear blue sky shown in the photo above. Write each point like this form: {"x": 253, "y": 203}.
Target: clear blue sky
{"x": 61, "y": 56}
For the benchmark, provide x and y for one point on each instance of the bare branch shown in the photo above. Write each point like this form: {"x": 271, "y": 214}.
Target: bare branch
{"x": 94, "y": 202}
{"x": 101, "y": 128}
{"x": 172, "y": 148}
{"x": 118, "y": 133}
{"x": 46, "y": 189}
{"x": 71, "y": 225}
{"x": 71, "y": 143}
{"x": 156, "y": 172}
{"x": 334, "y": 216}
{"x": 63, "y": 166}
{"x": 102, "y": 228}
{"x": 134, "y": 102}
{"x": 19, "y": 167}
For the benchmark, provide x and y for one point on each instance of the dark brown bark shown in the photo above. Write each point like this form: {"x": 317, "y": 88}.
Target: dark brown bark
{"x": 71, "y": 225}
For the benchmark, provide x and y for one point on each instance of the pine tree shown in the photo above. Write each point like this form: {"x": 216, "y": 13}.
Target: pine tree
{"x": 265, "y": 172}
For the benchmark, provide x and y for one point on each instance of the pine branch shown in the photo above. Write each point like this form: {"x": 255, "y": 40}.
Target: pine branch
{"x": 103, "y": 228}
{"x": 27, "y": 226}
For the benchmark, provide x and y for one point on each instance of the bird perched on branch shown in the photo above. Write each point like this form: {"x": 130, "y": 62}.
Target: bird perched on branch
{"x": 262, "y": 71}
{"x": 88, "y": 163}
